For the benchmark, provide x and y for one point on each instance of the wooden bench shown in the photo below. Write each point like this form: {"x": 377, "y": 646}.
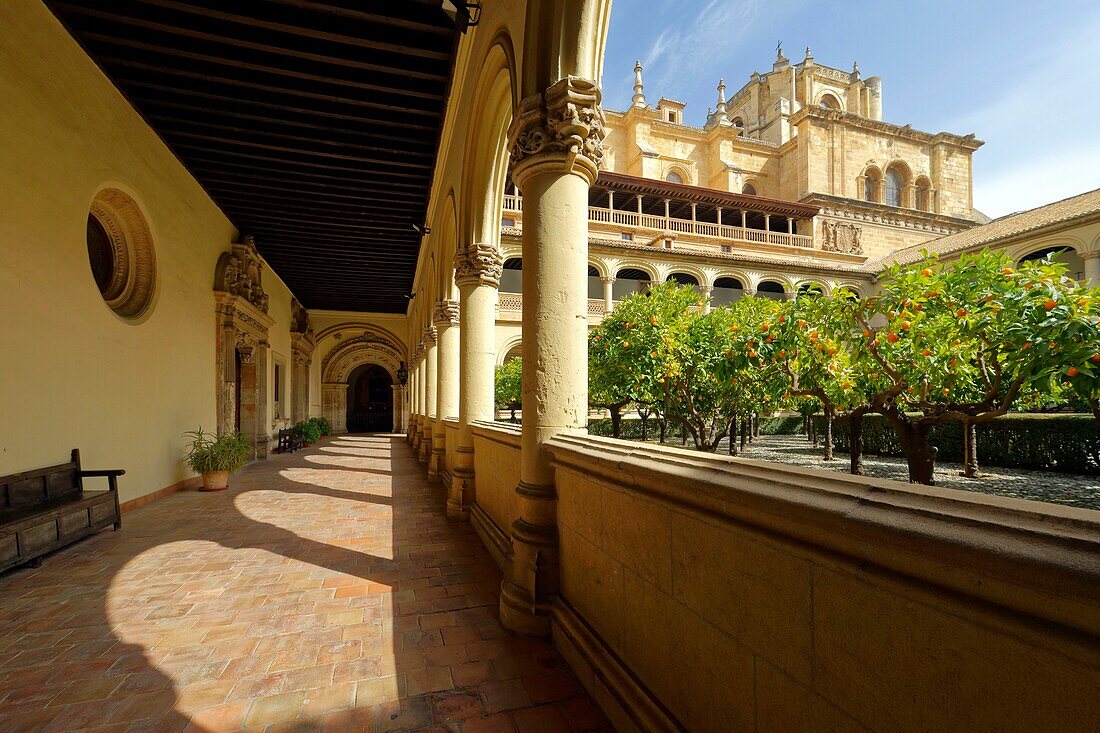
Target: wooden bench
{"x": 48, "y": 508}
{"x": 289, "y": 442}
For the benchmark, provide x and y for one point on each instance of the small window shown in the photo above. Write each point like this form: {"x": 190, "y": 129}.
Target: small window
{"x": 674, "y": 177}
{"x": 506, "y": 222}
{"x": 668, "y": 244}
{"x": 626, "y": 236}
{"x": 749, "y": 189}
{"x": 671, "y": 116}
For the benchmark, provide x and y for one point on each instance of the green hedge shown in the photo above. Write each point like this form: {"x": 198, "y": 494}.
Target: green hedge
{"x": 1063, "y": 443}
{"x": 631, "y": 428}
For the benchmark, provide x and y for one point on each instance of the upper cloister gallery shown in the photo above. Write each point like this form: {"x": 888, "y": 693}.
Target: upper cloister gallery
{"x": 242, "y": 216}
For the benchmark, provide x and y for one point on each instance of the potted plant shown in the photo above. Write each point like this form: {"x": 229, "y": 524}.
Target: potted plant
{"x": 216, "y": 456}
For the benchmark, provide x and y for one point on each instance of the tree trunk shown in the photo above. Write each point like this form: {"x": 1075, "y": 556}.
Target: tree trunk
{"x": 970, "y": 450}
{"x": 855, "y": 428}
{"x": 683, "y": 435}
{"x": 662, "y": 424}
{"x": 644, "y": 415}
{"x": 616, "y": 421}
{"x": 919, "y": 455}
{"x": 813, "y": 431}
{"x": 828, "y": 439}
{"x": 744, "y": 432}
{"x": 733, "y": 436}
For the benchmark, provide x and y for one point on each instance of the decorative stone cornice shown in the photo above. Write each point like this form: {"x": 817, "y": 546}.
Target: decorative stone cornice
{"x": 430, "y": 336}
{"x": 445, "y": 313}
{"x": 561, "y": 129}
{"x": 1094, "y": 254}
{"x": 968, "y": 142}
{"x": 478, "y": 264}
{"x": 240, "y": 271}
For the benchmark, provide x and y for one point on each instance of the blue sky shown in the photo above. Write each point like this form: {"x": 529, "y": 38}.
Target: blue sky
{"x": 1024, "y": 77}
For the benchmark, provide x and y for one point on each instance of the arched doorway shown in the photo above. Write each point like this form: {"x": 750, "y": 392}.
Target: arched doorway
{"x": 370, "y": 400}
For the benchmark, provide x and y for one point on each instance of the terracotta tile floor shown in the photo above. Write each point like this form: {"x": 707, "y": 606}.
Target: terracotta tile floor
{"x": 325, "y": 591}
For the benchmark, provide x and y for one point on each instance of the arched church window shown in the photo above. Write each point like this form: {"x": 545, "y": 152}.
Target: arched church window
{"x": 749, "y": 189}
{"x": 871, "y": 180}
{"x": 674, "y": 177}
{"x": 895, "y": 184}
{"x": 828, "y": 101}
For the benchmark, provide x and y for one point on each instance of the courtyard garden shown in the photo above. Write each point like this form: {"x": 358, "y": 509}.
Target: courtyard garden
{"x": 977, "y": 362}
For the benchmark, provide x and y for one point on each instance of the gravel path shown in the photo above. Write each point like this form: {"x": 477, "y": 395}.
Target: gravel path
{"x": 1056, "y": 488}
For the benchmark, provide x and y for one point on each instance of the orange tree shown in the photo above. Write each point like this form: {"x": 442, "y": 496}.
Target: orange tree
{"x": 716, "y": 369}
{"x": 814, "y": 351}
{"x": 508, "y": 386}
{"x": 961, "y": 341}
{"x": 628, "y": 351}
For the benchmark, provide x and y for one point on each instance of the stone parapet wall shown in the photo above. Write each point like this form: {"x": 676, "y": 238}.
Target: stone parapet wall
{"x": 711, "y": 594}
{"x": 496, "y": 476}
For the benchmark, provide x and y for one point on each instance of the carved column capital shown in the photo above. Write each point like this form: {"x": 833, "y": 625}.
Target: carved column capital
{"x": 1094, "y": 254}
{"x": 478, "y": 264}
{"x": 561, "y": 129}
{"x": 605, "y": 280}
{"x": 445, "y": 313}
{"x": 430, "y": 335}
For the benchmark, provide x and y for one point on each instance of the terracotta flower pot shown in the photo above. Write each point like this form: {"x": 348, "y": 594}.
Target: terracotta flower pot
{"x": 215, "y": 480}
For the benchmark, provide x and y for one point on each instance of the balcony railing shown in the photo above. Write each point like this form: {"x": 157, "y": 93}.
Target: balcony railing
{"x": 512, "y": 303}
{"x": 635, "y": 220}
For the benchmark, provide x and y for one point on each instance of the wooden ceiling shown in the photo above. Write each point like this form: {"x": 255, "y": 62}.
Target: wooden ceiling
{"x": 313, "y": 125}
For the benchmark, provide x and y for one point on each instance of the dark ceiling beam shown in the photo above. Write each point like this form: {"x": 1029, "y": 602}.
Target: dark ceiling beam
{"x": 209, "y": 79}
{"x": 297, "y": 30}
{"x": 304, "y": 178}
{"x": 254, "y": 103}
{"x": 242, "y": 43}
{"x": 233, "y": 184}
{"x": 240, "y": 143}
{"x": 194, "y": 111}
{"x": 289, "y": 203}
{"x": 235, "y": 64}
{"x": 373, "y": 18}
{"x": 366, "y": 173}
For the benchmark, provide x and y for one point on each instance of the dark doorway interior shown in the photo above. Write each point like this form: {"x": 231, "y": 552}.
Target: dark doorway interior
{"x": 370, "y": 400}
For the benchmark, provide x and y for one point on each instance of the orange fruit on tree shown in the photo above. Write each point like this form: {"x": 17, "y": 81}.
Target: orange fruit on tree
{"x": 782, "y": 319}
{"x": 653, "y": 320}
{"x": 626, "y": 344}
{"x": 1050, "y": 304}
{"x": 1095, "y": 359}
{"x": 946, "y": 391}
{"x": 926, "y": 272}
{"x": 1072, "y": 372}
{"x": 783, "y": 354}
{"x": 892, "y": 337}
{"x": 905, "y": 325}
{"x": 1007, "y": 271}
{"x": 1026, "y": 345}
{"x": 960, "y": 313}
{"x": 926, "y": 352}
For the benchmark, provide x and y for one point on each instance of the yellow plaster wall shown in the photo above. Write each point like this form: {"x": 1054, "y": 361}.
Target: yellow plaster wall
{"x": 72, "y": 373}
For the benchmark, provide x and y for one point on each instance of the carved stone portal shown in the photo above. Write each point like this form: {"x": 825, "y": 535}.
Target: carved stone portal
{"x": 373, "y": 347}
{"x": 242, "y": 348}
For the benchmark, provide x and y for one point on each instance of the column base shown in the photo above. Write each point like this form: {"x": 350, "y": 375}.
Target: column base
{"x": 425, "y": 448}
{"x": 525, "y": 598}
{"x": 437, "y": 460}
{"x": 520, "y": 615}
{"x": 461, "y": 491}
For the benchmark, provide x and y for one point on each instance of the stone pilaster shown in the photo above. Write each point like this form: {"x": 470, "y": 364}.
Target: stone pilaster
{"x": 446, "y": 320}
{"x": 557, "y": 146}
{"x": 478, "y": 268}
{"x": 430, "y": 362}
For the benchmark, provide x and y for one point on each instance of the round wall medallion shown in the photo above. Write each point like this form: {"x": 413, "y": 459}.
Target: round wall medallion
{"x": 120, "y": 253}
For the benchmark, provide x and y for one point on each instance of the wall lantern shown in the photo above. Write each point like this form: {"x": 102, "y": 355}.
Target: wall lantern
{"x": 402, "y": 374}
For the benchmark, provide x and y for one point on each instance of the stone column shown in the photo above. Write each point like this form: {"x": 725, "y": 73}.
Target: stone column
{"x": 557, "y": 144}
{"x": 445, "y": 316}
{"x": 478, "y": 268}
{"x": 608, "y": 294}
{"x": 705, "y": 291}
{"x": 415, "y": 406}
{"x": 398, "y": 408}
{"x": 430, "y": 362}
{"x": 1092, "y": 268}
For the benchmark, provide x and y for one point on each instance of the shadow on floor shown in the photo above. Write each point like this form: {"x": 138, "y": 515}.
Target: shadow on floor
{"x": 308, "y": 596}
